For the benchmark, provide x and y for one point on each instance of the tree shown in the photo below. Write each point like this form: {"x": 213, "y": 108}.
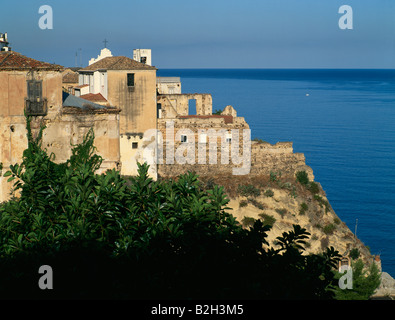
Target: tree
{"x": 364, "y": 282}
{"x": 106, "y": 237}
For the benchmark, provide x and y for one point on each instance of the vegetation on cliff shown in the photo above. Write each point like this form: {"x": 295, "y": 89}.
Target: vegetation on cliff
{"x": 109, "y": 237}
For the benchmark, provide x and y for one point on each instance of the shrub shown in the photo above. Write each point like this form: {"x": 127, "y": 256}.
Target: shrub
{"x": 365, "y": 281}
{"x": 281, "y": 212}
{"x": 314, "y": 188}
{"x": 274, "y": 176}
{"x": 267, "y": 219}
{"x": 269, "y": 193}
{"x": 257, "y": 204}
{"x": 243, "y": 203}
{"x": 303, "y": 208}
{"x": 247, "y": 221}
{"x": 354, "y": 253}
{"x": 329, "y": 228}
{"x": 248, "y": 190}
{"x": 302, "y": 177}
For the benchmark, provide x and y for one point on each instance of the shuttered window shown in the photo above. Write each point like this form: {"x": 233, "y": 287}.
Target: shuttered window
{"x": 35, "y": 104}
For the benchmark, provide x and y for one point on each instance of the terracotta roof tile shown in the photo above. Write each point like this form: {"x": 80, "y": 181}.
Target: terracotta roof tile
{"x": 94, "y": 97}
{"x": 117, "y": 63}
{"x": 11, "y": 60}
{"x": 70, "y": 77}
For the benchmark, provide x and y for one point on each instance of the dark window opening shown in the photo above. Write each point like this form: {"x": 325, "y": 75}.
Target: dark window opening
{"x": 135, "y": 145}
{"x": 130, "y": 79}
{"x": 184, "y": 138}
{"x": 35, "y": 104}
{"x": 143, "y": 59}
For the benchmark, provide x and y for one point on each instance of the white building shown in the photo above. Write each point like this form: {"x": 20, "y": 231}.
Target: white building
{"x": 104, "y": 53}
{"x": 168, "y": 85}
{"x": 143, "y": 56}
{"x": 4, "y": 42}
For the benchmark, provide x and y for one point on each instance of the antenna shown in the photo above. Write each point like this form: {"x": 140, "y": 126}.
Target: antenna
{"x": 105, "y": 42}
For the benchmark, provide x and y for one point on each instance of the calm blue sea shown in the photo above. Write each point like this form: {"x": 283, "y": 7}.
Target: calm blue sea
{"x": 342, "y": 120}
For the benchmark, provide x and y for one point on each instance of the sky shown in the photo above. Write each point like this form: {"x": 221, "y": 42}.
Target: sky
{"x": 207, "y": 33}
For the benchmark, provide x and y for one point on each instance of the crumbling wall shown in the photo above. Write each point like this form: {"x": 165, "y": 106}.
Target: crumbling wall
{"x": 178, "y": 104}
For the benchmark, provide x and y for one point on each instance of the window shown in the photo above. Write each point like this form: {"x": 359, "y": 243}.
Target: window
{"x": 130, "y": 79}
{"x": 184, "y": 138}
{"x": 143, "y": 59}
{"x": 135, "y": 145}
{"x": 228, "y": 137}
{"x": 35, "y": 104}
{"x": 203, "y": 138}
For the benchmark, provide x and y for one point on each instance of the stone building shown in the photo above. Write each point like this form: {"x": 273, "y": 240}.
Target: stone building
{"x": 70, "y": 80}
{"x": 168, "y": 85}
{"x": 216, "y": 143}
{"x": 143, "y": 56}
{"x": 36, "y": 87}
{"x": 131, "y": 86}
{"x": 135, "y": 117}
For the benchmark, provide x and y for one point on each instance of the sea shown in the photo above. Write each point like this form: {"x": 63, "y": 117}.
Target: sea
{"x": 342, "y": 120}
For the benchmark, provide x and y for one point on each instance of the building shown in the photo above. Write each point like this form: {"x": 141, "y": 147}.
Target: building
{"x": 33, "y": 86}
{"x": 168, "y": 85}
{"x": 131, "y": 86}
{"x": 4, "y": 44}
{"x": 143, "y": 56}
{"x": 104, "y": 53}
{"x": 70, "y": 80}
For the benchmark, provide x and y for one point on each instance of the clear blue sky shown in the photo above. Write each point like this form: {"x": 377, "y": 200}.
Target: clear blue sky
{"x": 208, "y": 33}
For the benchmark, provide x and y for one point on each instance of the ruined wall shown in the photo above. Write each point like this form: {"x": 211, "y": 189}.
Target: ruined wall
{"x": 278, "y": 158}
{"x": 198, "y": 143}
{"x": 178, "y": 104}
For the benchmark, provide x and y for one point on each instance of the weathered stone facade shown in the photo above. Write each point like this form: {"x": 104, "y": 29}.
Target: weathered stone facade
{"x": 36, "y": 87}
{"x": 191, "y": 133}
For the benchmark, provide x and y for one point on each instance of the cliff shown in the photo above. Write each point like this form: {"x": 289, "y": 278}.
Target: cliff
{"x": 273, "y": 193}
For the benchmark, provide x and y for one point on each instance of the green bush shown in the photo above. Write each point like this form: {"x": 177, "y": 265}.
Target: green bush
{"x": 354, "y": 253}
{"x": 329, "y": 228}
{"x": 303, "y": 208}
{"x": 314, "y": 188}
{"x": 267, "y": 219}
{"x": 365, "y": 281}
{"x": 243, "y": 203}
{"x": 248, "y": 190}
{"x": 269, "y": 193}
{"x": 248, "y": 221}
{"x": 281, "y": 212}
{"x": 302, "y": 177}
{"x": 256, "y": 203}
{"x": 107, "y": 237}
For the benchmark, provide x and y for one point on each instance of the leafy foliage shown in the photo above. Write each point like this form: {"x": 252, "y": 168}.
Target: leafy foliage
{"x": 302, "y": 177}
{"x": 106, "y": 237}
{"x": 364, "y": 282}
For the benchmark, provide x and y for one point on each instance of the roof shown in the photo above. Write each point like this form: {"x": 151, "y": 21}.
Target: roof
{"x": 70, "y": 77}
{"x": 227, "y": 118}
{"x": 94, "y": 97}
{"x": 72, "y": 101}
{"x": 167, "y": 79}
{"x": 117, "y": 63}
{"x": 11, "y": 60}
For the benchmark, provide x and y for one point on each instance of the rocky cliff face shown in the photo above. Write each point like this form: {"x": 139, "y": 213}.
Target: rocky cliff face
{"x": 274, "y": 193}
{"x": 284, "y": 201}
